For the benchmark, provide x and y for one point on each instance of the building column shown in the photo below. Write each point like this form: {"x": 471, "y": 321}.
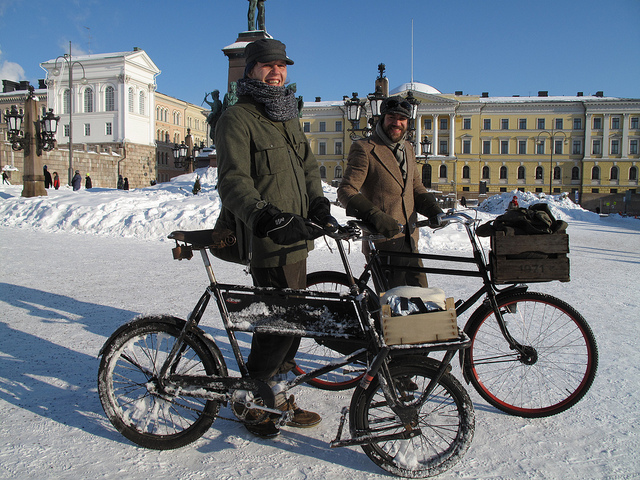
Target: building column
{"x": 452, "y": 134}
{"x": 587, "y": 136}
{"x": 435, "y": 150}
{"x": 418, "y": 134}
{"x": 605, "y": 136}
{"x": 625, "y": 135}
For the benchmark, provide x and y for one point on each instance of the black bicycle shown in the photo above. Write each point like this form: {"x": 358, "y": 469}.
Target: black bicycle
{"x": 531, "y": 354}
{"x": 162, "y": 380}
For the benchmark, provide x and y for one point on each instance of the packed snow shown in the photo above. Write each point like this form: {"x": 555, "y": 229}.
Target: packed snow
{"x": 77, "y": 265}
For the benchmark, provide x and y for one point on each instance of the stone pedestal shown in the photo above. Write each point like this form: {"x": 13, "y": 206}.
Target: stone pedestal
{"x": 33, "y": 178}
{"x": 235, "y": 53}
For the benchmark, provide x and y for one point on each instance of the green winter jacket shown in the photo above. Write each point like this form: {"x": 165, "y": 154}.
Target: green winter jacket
{"x": 262, "y": 160}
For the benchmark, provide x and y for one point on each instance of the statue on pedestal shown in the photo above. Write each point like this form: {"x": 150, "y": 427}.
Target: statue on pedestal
{"x": 251, "y": 15}
{"x": 216, "y": 111}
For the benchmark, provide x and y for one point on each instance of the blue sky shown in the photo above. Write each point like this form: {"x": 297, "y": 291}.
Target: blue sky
{"x": 504, "y": 47}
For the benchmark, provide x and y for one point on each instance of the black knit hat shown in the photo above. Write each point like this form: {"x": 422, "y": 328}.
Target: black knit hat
{"x": 266, "y": 50}
{"x": 396, "y": 105}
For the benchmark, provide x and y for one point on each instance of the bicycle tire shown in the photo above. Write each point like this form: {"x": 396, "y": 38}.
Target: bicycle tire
{"x": 130, "y": 362}
{"x": 559, "y": 369}
{"x": 313, "y": 354}
{"x": 446, "y": 421}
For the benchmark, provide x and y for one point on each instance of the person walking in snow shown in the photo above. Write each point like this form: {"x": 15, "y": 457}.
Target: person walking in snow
{"x": 76, "y": 181}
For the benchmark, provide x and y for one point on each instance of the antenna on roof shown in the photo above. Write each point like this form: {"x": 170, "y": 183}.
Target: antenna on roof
{"x": 412, "y": 53}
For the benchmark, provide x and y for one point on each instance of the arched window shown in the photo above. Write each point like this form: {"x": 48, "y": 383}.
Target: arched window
{"x": 595, "y": 173}
{"x": 109, "y": 99}
{"x": 614, "y": 173}
{"x": 557, "y": 173}
{"x": 503, "y": 172}
{"x": 338, "y": 171}
{"x": 131, "y": 99}
{"x": 633, "y": 173}
{"x": 485, "y": 172}
{"x": 141, "y": 103}
{"x": 88, "y": 100}
{"x": 66, "y": 101}
{"x": 521, "y": 172}
{"x": 466, "y": 172}
{"x": 323, "y": 171}
{"x": 575, "y": 173}
{"x": 538, "y": 173}
{"x": 443, "y": 171}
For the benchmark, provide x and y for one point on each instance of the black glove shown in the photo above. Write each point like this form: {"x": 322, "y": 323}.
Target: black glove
{"x": 361, "y": 207}
{"x": 427, "y": 205}
{"x": 281, "y": 227}
{"x": 320, "y": 213}
{"x": 436, "y": 222}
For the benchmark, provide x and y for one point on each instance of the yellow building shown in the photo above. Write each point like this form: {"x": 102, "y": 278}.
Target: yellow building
{"x": 583, "y": 145}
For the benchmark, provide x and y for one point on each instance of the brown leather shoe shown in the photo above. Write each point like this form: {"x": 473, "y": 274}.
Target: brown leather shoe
{"x": 301, "y": 418}
{"x": 264, "y": 429}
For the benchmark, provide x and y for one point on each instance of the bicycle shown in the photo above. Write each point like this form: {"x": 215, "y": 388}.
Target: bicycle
{"x": 162, "y": 380}
{"x": 531, "y": 354}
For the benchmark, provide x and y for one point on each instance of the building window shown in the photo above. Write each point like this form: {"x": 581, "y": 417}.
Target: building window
{"x": 615, "y": 123}
{"x": 575, "y": 173}
{"x": 557, "y": 173}
{"x": 338, "y": 172}
{"x": 109, "y": 99}
{"x": 323, "y": 126}
{"x": 66, "y": 101}
{"x": 485, "y": 172}
{"x": 613, "y": 174}
{"x": 108, "y": 129}
{"x": 504, "y": 124}
{"x": 141, "y": 103}
{"x": 443, "y": 171}
{"x": 88, "y": 100}
{"x": 577, "y": 147}
{"x": 538, "y": 173}
{"x": 486, "y": 124}
{"x": 338, "y": 147}
{"x": 504, "y": 147}
{"x": 444, "y": 123}
{"x": 559, "y": 124}
{"x": 443, "y": 149}
{"x": 522, "y": 124}
{"x": 466, "y": 124}
{"x": 466, "y": 172}
{"x": 634, "y": 123}
{"x": 131, "y": 99}
{"x": 577, "y": 124}
{"x": 597, "y": 150}
{"x": 322, "y": 148}
{"x": 633, "y": 173}
{"x": 486, "y": 147}
{"x": 540, "y": 147}
{"x": 87, "y": 129}
{"x": 615, "y": 147}
{"x": 522, "y": 147}
{"x": 503, "y": 172}
{"x": 521, "y": 172}
{"x": 558, "y": 147}
{"x": 597, "y": 123}
{"x": 306, "y": 127}
{"x": 633, "y": 147}
{"x": 339, "y": 126}
{"x": 66, "y": 130}
{"x": 541, "y": 124}
{"x": 595, "y": 173}
{"x": 427, "y": 124}
{"x": 466, "y": 146}
{"x": 323, "y": 172}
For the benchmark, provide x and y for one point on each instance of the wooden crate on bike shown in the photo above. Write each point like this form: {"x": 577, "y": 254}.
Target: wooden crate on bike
{"x": 419, "y": 328}
{"x": 529, "y": 258}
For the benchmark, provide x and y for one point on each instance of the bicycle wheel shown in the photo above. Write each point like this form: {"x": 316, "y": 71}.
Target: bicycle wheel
{"x": 313, "y": 354}
{"x": 446, "y": 422}
{"x": 132, "y": 397}
{"x": 559, "y": 363}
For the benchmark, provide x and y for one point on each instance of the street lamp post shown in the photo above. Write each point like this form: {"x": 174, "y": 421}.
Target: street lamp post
{"x": 185, "y": 154}
{"x": 37, "y": 136}
{"x": 552, "y": 135}
{"x": 66, "y": 58}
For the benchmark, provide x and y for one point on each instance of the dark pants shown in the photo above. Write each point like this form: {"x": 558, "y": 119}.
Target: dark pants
{"x": 397, "y": 277}
{"x": 273, "y": 354}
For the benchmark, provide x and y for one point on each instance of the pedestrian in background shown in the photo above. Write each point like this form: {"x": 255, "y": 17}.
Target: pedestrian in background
{"x": 87, "y": 182}
{"x": 56, "y": 180}
{"x": 76, "y": 181}
{"x": 47, "y": 178}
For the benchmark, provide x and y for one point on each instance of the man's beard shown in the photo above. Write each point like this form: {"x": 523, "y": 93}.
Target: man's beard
{"x": 392, "y": 134}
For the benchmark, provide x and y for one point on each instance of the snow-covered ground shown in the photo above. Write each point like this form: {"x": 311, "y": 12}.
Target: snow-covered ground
{"x": 76, "y": 265}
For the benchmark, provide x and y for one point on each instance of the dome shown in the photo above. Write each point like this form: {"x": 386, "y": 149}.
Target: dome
{"x": 416, "y": 87}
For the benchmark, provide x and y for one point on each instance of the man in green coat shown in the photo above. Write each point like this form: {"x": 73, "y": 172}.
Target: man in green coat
{"x": 269, "y": 180}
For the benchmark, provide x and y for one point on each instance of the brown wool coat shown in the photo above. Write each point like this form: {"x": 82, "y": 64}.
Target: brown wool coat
{"x": 373, "y": 170}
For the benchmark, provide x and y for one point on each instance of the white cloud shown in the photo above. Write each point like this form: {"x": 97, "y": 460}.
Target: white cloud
{"x": 11, "y": 71}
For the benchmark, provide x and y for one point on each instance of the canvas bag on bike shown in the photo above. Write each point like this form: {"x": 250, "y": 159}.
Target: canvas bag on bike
{"x": 240, "y": 251}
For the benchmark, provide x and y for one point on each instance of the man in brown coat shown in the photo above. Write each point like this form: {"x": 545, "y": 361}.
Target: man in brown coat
{"x": 382, "y": 186}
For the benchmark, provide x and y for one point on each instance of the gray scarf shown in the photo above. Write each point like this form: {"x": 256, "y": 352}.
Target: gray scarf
{"x": 280, "y": 103}
{"x": 396, "y": 147}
